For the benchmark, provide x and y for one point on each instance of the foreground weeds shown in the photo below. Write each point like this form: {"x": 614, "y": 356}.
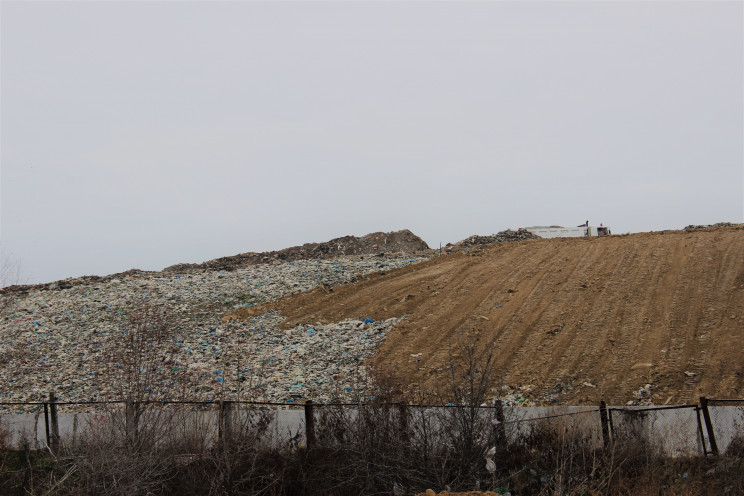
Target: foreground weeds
{"x": 381, "y": 449}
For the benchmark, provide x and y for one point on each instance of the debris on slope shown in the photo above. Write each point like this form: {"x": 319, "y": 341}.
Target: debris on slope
{"x": 375, "y": 243}
{"x": 379, "y": 244}
{"x": 501, "y": 237}
{"x": 692, "y": 227}
{"x": 65, "y": 340}
{"x": 71, "y": 282}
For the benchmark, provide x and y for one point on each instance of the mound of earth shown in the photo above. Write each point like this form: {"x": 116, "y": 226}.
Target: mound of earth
{"x": 647, "y": 318}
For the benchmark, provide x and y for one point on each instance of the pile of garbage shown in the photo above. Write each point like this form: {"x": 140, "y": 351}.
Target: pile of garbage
{"x": 398, "y": 244}
{"x": 70, "y": 338}
{"x": 501, "y": 237}
{"x": 692, "y": 228}
{"x": 375, "y": 243}
{"x": 643, "y": 396}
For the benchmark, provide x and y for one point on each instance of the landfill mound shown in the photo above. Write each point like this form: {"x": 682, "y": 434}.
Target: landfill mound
{"x": 501, "y": 237}
{"x": 379, "y": 243}
{"x": 74, "y": 341}
{"x": 641, "y": 319}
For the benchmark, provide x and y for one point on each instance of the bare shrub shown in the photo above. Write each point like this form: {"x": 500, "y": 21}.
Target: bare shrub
{"x": 465, "y": 427}
{"x": 132, "y": 450}
{"x": 234, "y": 463}
{"x": 363, "y": 447}
{"x": 736, "y": 447}
{"x": 10, "y": 275}
{"x": 153, "y": 441}
{"x": 376, "y": 447}
{"x": 143, "y": 360}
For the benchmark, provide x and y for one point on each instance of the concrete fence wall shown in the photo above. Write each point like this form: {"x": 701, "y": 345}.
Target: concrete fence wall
{"x": 676, "y": 432}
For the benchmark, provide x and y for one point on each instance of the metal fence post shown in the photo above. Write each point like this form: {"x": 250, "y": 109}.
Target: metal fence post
{"x": 131, "y": 419}
{"x": 309, "y": 424}
{"x": 46, "y": 422}
{"x": 603, "y": 418}
{"x": 53, "y": 440}
{"x": 701, "y": 436}
{"x": 224, "y": 422}
{"x": 220, "y": 421}
{"x": 708, "y": 425}
{"x": 500, "y": 428}
{"x": 403, "y": 418}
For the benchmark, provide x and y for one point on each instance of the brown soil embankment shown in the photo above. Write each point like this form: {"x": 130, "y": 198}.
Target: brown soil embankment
{"x": 600, "y": 317}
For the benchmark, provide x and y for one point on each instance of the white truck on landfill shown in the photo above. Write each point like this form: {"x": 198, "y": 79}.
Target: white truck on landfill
{"x": 568, "y": 232}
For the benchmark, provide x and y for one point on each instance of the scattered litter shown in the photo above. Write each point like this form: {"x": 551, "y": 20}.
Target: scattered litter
{"x": 642, "y": 395}
{"x": 64, "y": 340}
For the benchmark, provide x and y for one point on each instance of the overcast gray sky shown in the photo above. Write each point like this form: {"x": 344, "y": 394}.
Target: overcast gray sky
{"x": 142, "y": 134}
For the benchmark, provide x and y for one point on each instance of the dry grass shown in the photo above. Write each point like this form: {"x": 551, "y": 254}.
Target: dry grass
{"x": 372, "y": 449}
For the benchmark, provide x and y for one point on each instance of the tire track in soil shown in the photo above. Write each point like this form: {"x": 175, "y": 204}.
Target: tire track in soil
{"x": 544, "y": 309}
{"x": 509, "y": 342}
{"x": 641, "y": 325}
{"x": 584, "y": 345}
{"x": 623, "y": 310}
{"x": 492, "y": 329}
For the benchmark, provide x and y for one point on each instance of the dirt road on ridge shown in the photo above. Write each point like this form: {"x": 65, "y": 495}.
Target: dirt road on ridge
{"x": 602, "y": 317}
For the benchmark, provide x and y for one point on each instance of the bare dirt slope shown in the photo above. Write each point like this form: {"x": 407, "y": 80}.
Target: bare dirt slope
{"x": 616, "y": 313}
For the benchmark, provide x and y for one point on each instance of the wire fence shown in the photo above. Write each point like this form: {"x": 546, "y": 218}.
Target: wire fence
{"x": 675, "y": 430}
{"x": 727, "y": 420}
{"x": 713, "y": 427}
